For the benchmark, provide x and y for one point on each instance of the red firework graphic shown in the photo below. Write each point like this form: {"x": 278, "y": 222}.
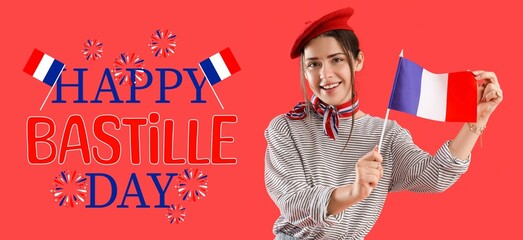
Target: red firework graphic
{"x": 192, "y": 184}
{"x": 163, "y": 43}
{"x": 93, "y": 50}
{"x": 176, "y": 213}
{"x": 69, "y": 189}
{"x": 121, "y": 72}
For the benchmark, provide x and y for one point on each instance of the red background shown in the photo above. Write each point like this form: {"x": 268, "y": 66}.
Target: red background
{"x": 443, "y": 36}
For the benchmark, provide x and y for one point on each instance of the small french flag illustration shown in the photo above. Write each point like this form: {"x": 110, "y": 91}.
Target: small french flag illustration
{"x": 44, "y": 67}
{"x": 219, "y": 66}
{"x": 447, "y": 97}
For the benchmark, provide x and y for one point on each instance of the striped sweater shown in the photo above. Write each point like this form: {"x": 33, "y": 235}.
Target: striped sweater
{"x": 303, "y": 166}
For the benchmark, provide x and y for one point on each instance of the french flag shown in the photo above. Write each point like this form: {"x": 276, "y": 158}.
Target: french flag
{"x": 447, "y": 97}
{"x": 44, "y": 67}
{"x": 219, "y": 66}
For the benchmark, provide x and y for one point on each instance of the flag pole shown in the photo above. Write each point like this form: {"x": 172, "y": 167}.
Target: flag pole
{"x": 49, "y": 93}
{"x": 386, "y": 119}
{"x": 216, "y": 95}
{"x": 210, "y": 84}
{"x": 383, "y": 130}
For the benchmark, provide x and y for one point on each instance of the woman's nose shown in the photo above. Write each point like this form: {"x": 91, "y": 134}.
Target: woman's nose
{"x": 326, "y": 71}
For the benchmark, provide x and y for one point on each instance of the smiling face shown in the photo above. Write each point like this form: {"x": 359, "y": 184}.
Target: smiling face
{"x": 328, "y": 70}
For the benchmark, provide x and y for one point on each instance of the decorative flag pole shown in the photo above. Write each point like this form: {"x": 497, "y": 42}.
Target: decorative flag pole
{"x": 386, "y": 119}
{"x": 219, "y": 67}
{"x": 216, "y": 95}
{"x": 45, "y": 69}
{"x": 383, "y": 130}
{"x": 49, "y": 93}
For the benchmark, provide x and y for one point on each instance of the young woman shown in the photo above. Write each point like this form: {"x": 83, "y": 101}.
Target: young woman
{"x": 322, "y": 166}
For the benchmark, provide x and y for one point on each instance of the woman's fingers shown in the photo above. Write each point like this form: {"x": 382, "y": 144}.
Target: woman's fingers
{"x": 371, "y": 164}
{"x": 372, "y": 178}
{"x": 373, "y": 156}
{"x": 489, "y": 89}
{"x": 493, "y": 95}
{"x": 369, "y": 171}
{"x": 489, "y": 76}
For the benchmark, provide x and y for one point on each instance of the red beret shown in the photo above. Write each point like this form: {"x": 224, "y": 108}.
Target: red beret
{"x": 332, "y": 21}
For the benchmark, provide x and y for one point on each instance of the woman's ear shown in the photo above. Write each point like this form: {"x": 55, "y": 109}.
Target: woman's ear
{"x": 358, "y": 62}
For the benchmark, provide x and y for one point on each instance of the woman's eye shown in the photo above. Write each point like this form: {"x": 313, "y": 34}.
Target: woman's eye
{"x": 312, "y": 65}
{"x": 336, "y": 60}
